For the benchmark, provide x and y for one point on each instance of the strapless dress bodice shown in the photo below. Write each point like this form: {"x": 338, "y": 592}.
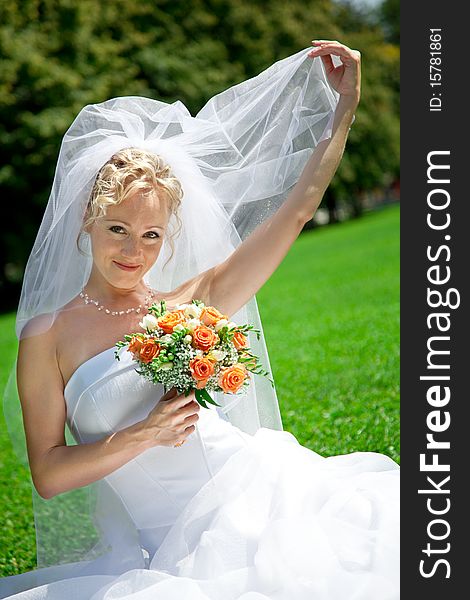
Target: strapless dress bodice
{"x": 105, "y": 395}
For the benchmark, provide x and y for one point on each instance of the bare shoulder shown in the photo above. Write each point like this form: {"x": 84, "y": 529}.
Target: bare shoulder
{"x": 37, "y": 351}
{"x": 44, "y": 327}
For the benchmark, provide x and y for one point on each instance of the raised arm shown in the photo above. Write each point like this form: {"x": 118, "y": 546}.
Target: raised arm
{"x": 234, "y": 281}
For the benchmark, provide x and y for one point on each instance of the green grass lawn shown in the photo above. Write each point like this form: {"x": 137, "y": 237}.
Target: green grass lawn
{"x": 331, "y": 319}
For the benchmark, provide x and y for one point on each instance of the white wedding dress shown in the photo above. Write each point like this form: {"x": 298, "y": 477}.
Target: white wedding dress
{"x": 227, "y": 515}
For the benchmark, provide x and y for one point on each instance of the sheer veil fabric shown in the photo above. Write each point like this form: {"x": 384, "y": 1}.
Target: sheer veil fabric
{"x": 237, "y": 160}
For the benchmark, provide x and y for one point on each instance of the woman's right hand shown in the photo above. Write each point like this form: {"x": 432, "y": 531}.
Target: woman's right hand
{"x": 173, "y": 418}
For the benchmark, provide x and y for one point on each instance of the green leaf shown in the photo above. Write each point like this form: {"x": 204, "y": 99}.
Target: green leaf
{"x": 208, "y": 397}
{"x": 200, "y": 398}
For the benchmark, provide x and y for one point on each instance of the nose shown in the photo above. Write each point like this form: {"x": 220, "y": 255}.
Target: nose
{"x": 130, "y": 247}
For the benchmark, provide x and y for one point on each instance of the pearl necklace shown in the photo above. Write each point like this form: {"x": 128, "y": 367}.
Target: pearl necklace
{"x": 114, "y": 313}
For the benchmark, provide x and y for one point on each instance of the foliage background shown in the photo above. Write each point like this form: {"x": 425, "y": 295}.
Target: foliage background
{"x": 59, "y": 55}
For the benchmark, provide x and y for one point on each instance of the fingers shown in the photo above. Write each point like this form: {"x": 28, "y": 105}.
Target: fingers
{"x": 180, "y": 426}
{"x": 326, "y": 47}
{"x": 330, "y": 43}
{"x": 190, "y": 406}
{"x": 171, "y": 393}
{"x": 178, "y": 400}
{"x": 186, "y": 404}
{"x": 189, "y": 409}
{"x": 190, "y": 420}
{"x": 175, "y": 417}
{"x": 328, "y": 62}
{"x": 194, "y": 406}
{"x": 183, "y": 435}
{"x": 187, "y": 432}
{"x": 187, "y": 415}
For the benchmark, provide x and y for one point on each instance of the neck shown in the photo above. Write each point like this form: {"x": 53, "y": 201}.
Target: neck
{"x": 99, "y": 288}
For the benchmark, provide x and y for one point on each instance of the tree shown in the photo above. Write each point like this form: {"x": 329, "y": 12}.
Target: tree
{"x": 389, "y": 17}
{"x": 59, "y": 55}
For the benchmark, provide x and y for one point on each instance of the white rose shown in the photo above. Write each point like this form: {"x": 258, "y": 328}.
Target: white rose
{"x": 166, "y": 339}
{"x": 193, "y": 323}
{"x": 232, "y": 324}
{"x": 218, "y": 355}
{"x": 166, "y": 366}
{"x": 220, "y": 324}
{"x": 192, "y": 311}
{"x": 187, "y": 339}
{"x": 179, "y": 327}
{"x": 149, "y": 322}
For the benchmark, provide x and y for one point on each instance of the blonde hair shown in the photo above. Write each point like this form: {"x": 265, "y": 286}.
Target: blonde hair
{"x": 126, "y": 172}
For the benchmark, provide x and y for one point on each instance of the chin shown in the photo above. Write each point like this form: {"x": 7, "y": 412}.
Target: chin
{"x": 121, "y": 279}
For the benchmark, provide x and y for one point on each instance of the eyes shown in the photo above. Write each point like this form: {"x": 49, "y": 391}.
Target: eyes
{"x": 153, "y": 234}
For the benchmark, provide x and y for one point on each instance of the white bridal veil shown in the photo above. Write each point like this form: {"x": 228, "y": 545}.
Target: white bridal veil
{"x": 237, "y": 160}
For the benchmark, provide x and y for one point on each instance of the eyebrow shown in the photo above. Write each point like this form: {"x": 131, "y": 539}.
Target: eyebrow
{"x": 124, "y": 223}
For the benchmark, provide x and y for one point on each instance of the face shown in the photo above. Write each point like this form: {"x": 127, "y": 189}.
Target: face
{"x": 126, "y": 242}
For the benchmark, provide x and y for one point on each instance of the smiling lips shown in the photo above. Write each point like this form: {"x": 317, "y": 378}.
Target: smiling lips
{"x": 126, "y": 267}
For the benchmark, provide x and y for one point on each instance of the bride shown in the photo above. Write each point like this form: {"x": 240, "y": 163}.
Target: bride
{"x": 156, "y": 497}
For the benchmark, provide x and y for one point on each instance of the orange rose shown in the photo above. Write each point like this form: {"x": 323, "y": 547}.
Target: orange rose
{"x": 149, "y": 350}
{"x": 239, "y": 340}
{"x": 231, "y": 378}
{"x": 201, "y": 370}
{"x": 135, "y": 345}
{"x": 204, "y": 338}
{"x": 210, "y": 315}
{"x": 168, "y": 321}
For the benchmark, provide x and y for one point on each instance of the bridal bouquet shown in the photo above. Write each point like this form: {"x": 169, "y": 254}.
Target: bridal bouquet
{"x": 193, "y": 347}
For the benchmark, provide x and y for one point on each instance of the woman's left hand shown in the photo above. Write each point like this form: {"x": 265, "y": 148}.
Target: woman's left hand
{"x": 346, "y": 78}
